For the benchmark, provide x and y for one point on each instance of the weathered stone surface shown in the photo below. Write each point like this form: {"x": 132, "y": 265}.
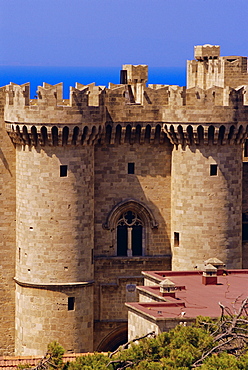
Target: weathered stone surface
{"x": 169, "y": 157}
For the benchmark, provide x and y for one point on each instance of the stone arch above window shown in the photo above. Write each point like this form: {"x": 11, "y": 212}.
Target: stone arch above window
{"x": 129, "y": 223}
{"x": 139, "y": 208}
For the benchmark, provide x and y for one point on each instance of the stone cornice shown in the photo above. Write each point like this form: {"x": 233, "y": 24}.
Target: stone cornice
{"x": 53, "y": 285}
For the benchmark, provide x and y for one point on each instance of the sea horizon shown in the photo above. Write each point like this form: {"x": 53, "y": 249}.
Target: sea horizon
{"x": 102, "y": 76}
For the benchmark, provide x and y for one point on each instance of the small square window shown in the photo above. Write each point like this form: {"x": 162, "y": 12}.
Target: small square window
{"x": 63, "y": 170}
{"x": 130, "y": 168}
{"x": 71, "y": 303}
{"x": 176, "y": 239}
{"x": 213, "y": 169}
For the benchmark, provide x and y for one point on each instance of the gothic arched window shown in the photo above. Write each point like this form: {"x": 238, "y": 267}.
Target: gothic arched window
{"x": 129, "y": 234}
{"x": 129, "y": 222}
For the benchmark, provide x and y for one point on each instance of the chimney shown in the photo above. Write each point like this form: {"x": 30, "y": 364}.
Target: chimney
{"x": 167, "y": 288}
{"x": 216, "y": 263}
{"x": 209, "y": 275}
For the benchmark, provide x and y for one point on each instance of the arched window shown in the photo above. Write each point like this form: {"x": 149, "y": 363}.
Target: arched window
{"x": 129, "y": 222}
{"x": 129, "y": 234}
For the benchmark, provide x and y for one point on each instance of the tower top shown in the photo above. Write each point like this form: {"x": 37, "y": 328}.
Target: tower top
{"x": 136, "y": 73}
{"x": 207, "y": 51}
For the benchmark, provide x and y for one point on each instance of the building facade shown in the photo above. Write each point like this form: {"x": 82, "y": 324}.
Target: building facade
{"x": 111, "y": 182}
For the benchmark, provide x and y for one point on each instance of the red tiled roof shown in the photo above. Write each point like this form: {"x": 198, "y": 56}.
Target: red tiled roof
{"x": 12, "y": 362}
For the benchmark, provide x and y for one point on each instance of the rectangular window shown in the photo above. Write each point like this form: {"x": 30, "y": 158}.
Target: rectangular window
{"x": 63, "y": 170}
{"x": 71, "y": 303}
{"x": 123, "y": 76}
{"x": 244, "y": 227}
{"x": 130, "y": 168}
{"x": 213, "y": 169}
{"x": 176, "y": 239}
{"x": 246, "y": 148}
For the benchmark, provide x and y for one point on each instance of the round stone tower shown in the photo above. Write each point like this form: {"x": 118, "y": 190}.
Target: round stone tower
{"x": 207, "y": 123}
{"x": 206, "y": 194}
{"x": 55, "y": 220}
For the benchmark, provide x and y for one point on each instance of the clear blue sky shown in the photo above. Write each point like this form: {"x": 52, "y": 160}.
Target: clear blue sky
{"x": 115, "y": 32}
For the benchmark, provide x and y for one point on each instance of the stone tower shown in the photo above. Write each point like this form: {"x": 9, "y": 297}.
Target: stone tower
{"x": 208, "y": 132}
{"x": 110, "y": 182}
{"x": 54, "y": 219}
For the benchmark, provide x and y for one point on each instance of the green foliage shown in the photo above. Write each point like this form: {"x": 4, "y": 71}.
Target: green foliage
{"x": 56, "y": 351}
{"x": 243, "y": 361}
{"x": 178, "y": 349}
{"x": 23, "y": 366}
{"x": 223, "y": 361}
{"x": 97, "y": 361}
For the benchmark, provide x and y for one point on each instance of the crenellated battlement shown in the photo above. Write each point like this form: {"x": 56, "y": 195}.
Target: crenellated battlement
{"x": 50, "y": 119}
{"x": 86, "y": 104}
{"x": 216, "y": 94}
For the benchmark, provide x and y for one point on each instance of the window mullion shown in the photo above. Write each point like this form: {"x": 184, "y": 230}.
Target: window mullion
{"x": 129, "y": 242}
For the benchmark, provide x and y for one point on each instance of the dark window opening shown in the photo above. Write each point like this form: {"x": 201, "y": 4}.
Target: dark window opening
{"x": 176, "y": 239}
{"x": 129, "y": 235}
{"x": 130, "y": 168}
{"x": 245, "y": 232}
{"x": 63, "y": 170}
{"x": 71, "y": 303}
{"x": 244, "y": 227}
{"x": 121, "y": 240}
{"x": 137, "y": 240}
{"x": 123, "y": 76}
{"x": 213, "y": 169}
{"x": 246, "y": 148}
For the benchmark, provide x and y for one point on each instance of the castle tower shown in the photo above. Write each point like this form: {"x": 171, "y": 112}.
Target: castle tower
{"x": 206, "y": 196}
{"x": 210, "y": 69}
{"x": 111, "y": 182}
{"x": 208, "y": 132}
{"x": 55, "y": 219}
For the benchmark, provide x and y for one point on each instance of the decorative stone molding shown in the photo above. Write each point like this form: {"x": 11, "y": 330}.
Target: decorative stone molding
{"x": 142, "y": 210}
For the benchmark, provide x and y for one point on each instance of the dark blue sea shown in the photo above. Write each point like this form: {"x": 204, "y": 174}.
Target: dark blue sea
{"x": 84, "y": 75}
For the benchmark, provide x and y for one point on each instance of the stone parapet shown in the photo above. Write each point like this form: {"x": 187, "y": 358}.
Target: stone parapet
{"x": 83, "y": 118}
{"x": 86, "y": 104}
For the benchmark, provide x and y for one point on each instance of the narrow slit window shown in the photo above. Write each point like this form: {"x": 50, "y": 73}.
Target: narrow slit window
{"x": 63, "y": 170}
{"x": 213, "y": 169}
{"x": 71, "y": 303}
{"x": 130, "y": 168}
{"x": 176, "y": 239}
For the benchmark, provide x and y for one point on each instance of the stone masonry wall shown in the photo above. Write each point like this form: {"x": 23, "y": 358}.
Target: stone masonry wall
{"x": 43, "y": 316}
{"x": 55, "y": 215}
{"x": 113, "y": 277}
{"x": 55, "y": 219}
{"x": 216, "y": 200}
{"x": 7, "y": 239}
{"x": 139, "y": 325}
{"x": 150, "y": 184}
